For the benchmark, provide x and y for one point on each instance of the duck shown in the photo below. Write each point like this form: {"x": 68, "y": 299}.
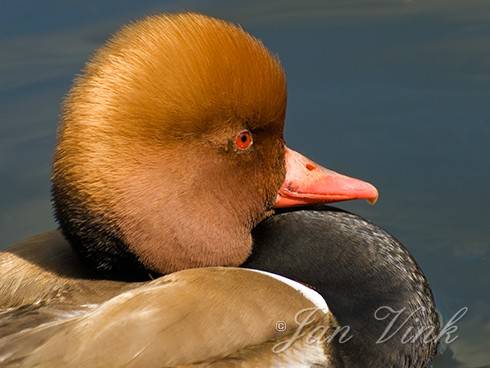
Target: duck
{"x": 189, "y": 230}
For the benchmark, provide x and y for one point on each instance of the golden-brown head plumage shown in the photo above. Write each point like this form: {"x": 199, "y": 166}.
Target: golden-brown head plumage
{"x": 145, "y": 160}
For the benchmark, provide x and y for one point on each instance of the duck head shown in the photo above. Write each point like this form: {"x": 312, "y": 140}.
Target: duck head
{"x": 170, "y": 149}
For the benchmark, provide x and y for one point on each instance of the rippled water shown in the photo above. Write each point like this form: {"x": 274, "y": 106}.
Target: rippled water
{"x": 396, "y": 92}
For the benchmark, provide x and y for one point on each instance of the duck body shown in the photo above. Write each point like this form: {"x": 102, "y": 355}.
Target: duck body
{"x": 355, "y": 266}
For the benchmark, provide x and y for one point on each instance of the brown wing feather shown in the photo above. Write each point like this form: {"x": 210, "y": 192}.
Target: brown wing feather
{"x": 187, "y": 317}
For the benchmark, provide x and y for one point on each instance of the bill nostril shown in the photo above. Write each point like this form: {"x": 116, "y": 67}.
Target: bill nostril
{"x": 310, "y": 167}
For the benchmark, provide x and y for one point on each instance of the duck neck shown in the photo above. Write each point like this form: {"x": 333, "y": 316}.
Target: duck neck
{"x": 372, "y": 285}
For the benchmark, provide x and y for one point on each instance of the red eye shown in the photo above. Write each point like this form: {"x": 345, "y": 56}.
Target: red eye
{"x": 243, "y": 140}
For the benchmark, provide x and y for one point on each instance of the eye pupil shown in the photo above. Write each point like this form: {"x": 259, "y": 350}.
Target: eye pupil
{"x": 244, "y": 138}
